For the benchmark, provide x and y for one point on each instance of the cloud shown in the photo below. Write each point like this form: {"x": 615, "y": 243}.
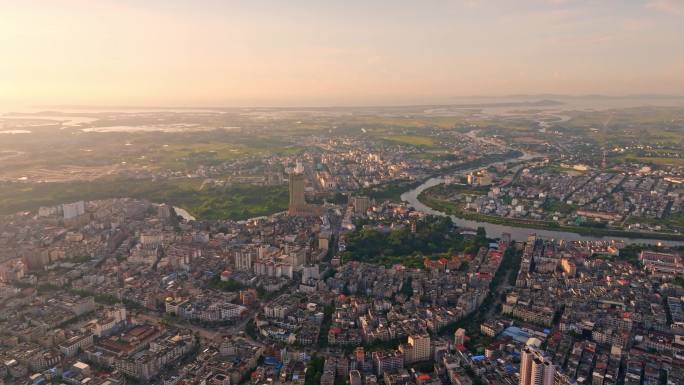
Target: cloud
{"x": 634, "y": 24}
{"x": 675, "y": 7}
{"x": 472, "y": 3}
{"x": 580, "y": 40}
{"x": 557, "y": 2}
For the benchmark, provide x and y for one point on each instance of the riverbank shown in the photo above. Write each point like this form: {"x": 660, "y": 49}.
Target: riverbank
{"x": 452, "y": 209}
{"x": 508, "y": 156}
{"x": 518, "y": 232}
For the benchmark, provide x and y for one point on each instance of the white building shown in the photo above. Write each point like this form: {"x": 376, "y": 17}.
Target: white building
{"x": 70, "y": 347}
{"x": 417, "y": 349}
{"x": 243, "y": 261}
{"x": 73, "y": 210}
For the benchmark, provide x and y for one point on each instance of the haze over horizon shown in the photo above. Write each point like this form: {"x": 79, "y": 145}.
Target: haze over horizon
{"x": 275, "y": 53}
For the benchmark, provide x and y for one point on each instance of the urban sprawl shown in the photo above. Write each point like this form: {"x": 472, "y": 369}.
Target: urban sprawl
{"x": 351, "y": 283}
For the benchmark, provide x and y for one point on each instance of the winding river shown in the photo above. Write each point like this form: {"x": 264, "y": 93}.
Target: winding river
{"x": 517, "y": 233}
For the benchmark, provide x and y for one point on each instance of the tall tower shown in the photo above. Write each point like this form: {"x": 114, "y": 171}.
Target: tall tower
{"x": 421, "y": 346}
{"x": 459, "y": 336}
{"x": 603, "y": 162}
{"x": 526, "y": 359}
{"x": 535, "y": 369}
{"x": 298, "y": 205}
{"x": 297, "y": 200}
{"x": 549, "y": 376}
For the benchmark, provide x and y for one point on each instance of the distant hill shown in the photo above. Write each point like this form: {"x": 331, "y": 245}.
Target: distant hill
{"x": 593, "y": 96}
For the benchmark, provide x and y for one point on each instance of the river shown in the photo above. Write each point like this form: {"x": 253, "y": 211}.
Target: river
{"x": 517, "y": 233}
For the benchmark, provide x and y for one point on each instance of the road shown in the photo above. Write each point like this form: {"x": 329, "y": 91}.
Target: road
{"x": 210, "y": 333}
{"x": 156, "y": 318}
{"x": 498, "y": 291}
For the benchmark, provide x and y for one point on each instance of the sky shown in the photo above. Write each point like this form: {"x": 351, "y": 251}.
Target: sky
{"x": 324, "y": 52}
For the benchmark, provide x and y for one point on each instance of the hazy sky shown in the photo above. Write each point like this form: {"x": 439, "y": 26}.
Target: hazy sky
{"x": 324, "y": 52}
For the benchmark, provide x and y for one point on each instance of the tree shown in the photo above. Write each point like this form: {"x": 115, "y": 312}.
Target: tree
{"x": 481, "y": 238}
{"x": 314, "y": 371}
{"x": 407, "y": 287}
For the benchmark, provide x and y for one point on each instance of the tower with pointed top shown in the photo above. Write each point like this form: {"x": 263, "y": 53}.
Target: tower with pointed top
{"x": 603, "y": 162}
{"x": 297, "y": 201}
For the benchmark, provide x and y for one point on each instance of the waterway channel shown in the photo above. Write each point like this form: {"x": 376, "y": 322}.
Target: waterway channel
{"x": 517, "y": 233}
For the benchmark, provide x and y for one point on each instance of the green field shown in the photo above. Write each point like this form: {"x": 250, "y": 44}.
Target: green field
{"x": 437, "y": 156}
{"x": 411, "y": 140}
{"x": 674, "y": 221}
{"x": 644, "y": 125}
{"x": 178, "y": 151}
{"x": 389, "y": 191}
{"x": 443, "y": 190}
{"x": 661, "y": 161}
{"x": 234, "y": 202}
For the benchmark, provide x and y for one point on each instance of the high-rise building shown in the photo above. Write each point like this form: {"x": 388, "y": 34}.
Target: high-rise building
{"x": 569, "y": 267}
{"x": 274, "y": 178}
{"x": 243, "y": 261}
{"x": 310, "y": 272}
{"x": 297, "y": 205}
{"x": 387, "y": 361}
{"x": 417, "y": 349}
{"x": 354, "y": 377}
{"x": 360, "y": 354}
{"x": 361, "y": 204}
{"x": 526, "y": 358}
{"x": 164, "y": 211}
{"x": 73, "y": 210}
{"x": 535, "y": 369}
{"x": 12, "y": 270}
{"x": 459, "y": 336}
{"x": 297, "y": 200}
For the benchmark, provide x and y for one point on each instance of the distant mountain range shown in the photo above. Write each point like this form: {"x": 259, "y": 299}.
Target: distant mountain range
{"x": 589, "y": 96}
{"x": 482, "y": 101}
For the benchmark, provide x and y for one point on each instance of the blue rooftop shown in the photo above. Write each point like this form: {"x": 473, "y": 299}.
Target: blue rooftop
{"x": 516, "y": 333}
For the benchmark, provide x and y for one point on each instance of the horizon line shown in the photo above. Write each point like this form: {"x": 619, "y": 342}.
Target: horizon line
{"x": 541, "y": 97}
